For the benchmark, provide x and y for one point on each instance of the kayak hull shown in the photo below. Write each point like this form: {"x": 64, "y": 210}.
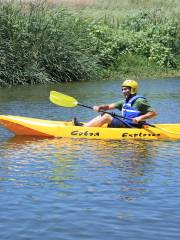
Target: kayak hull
{"x": 48, "y": 128}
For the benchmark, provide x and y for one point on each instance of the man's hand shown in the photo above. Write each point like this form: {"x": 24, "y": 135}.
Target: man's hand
{"x": 104, "y": 107}
{"x": 96, "y": 108}
{"x": 136, "y": 120}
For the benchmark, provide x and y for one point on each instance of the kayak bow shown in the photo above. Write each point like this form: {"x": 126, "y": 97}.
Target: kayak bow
{"x": 48, "y": 128}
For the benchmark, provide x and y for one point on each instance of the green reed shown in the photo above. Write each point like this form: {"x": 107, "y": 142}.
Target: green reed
{"x": 39, "y": 45}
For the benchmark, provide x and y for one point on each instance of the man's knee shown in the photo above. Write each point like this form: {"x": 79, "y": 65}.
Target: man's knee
{"x": 107, "y": 118}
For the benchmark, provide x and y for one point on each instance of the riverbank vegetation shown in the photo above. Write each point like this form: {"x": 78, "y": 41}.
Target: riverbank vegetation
{"x": 41, "y": 42}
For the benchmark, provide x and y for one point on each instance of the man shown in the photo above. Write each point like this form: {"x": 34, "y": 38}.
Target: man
{"x": 135, "y": 109}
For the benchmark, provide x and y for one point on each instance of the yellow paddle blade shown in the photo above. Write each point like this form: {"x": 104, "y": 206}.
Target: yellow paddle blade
{"x": 62, "y": 100}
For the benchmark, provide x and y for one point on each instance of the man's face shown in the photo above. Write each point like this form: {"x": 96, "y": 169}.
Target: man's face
{"x": 126, "y": 92}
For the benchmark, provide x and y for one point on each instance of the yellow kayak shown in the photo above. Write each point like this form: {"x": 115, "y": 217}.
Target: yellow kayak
{"x": 48, "y": 128}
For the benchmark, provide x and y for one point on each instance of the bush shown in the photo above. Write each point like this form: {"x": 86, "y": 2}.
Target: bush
{"x": 147, "y": 34}
{"x": 108, "y": 44}
{"x": 154, "y": 37}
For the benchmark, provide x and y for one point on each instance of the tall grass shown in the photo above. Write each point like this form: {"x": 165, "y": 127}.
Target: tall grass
{"x": 38, "y": 45}
{"x": 115, "y": 11}
{"x": 169, "y": 7}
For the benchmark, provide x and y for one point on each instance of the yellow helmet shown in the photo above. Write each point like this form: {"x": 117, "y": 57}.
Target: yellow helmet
{"x": 132, "y": 84}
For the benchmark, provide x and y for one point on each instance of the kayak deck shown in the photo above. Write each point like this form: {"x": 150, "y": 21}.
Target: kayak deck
{"x": 48, "y": 128}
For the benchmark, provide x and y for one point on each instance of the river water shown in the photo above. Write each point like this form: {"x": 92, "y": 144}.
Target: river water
{"x": 70, "y": 189}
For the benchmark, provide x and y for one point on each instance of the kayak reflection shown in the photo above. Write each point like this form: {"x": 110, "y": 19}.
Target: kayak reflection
{"x": 65, "y": 162}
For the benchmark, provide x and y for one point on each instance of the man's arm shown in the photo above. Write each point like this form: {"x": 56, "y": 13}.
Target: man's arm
{"x": 147, "y": 111}
{"x": 144, "y": 117}
{"x": 104, "y": 107}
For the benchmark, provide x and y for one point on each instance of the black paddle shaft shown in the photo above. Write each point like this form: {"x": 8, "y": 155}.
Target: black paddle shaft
{"x": 112, "y": 114}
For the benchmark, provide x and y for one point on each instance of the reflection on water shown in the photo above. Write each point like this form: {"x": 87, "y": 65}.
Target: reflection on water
{"x": 65, "y": 157}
